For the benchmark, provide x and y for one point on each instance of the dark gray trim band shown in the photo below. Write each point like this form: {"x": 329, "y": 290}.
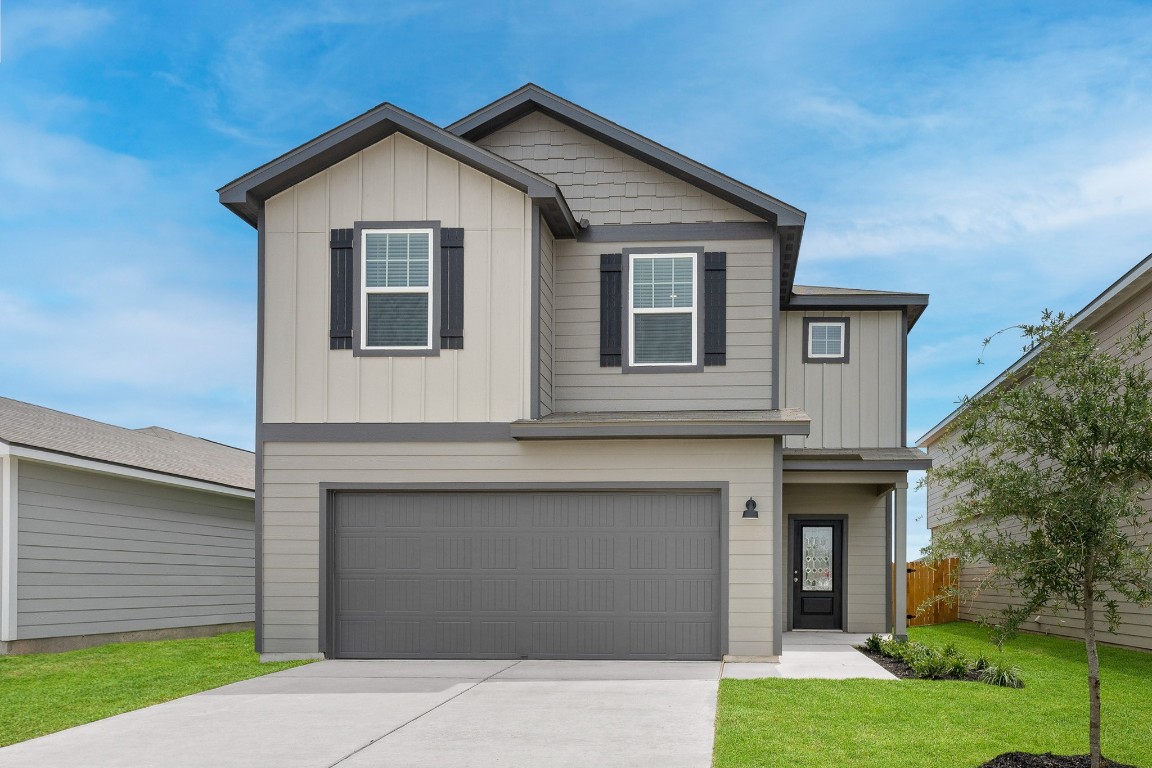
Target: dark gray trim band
{"x": 776, "y": 302}
{"x": 525, "y": 431}
{"x": 639, "y": 233}
{"x": 430, "y": 432}
{"x": 913, "y": 304}
{"x": 815, "y": 465}
{"x": 780, "y": 565}
{"x": 904, "y": 378}
{"x": 326, "y": 630}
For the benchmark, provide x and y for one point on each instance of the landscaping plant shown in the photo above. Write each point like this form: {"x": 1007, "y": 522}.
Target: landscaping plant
{"x": 1045, "y": 478}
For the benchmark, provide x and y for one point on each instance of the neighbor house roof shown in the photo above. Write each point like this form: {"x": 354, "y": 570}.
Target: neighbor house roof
{"x": 1135, "y": 280}
{"x": 822, "y": 297}
{"x": 245, "y": 195}
{"x": 152, "y": 448}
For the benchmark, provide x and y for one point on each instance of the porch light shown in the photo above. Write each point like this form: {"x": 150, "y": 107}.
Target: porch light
{"x": 750, "y": 512}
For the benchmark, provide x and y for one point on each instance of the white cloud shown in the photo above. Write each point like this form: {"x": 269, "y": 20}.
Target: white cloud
{"x": 33, "y": 26}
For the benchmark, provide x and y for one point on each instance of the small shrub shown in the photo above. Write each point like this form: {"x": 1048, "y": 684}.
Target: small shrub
{"x": 951, "y": 651}
{"x": 1006, "y": 676}
{"x": 931, "y": 666}
{"x": 980, "y": 663}
{"x": 874, "y": 643}
{"x": 957, "y": 666}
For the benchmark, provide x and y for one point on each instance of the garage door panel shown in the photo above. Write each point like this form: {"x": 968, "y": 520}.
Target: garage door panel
{"x": 537, "y": 575}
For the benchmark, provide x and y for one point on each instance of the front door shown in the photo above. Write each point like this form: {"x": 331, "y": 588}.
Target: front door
{"x": 817, "y": 574}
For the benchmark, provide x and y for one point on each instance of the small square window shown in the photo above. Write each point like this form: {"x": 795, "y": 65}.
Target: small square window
{"x": 825, "y": 340}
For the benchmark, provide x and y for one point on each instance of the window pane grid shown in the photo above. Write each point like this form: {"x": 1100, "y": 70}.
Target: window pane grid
{"x": 663, "y": 309}
{"x": 826, "y": 340}
{"x": 396, "y": 287}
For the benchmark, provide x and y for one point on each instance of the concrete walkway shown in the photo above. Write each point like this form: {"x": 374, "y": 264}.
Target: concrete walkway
{"x": 409, "y": 714}
{"x": 812, "y": 654}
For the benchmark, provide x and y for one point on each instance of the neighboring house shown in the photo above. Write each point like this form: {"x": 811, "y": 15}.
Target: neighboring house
{"x": 110, "y": 534}
{"x": 533, "y": 385}
{"x": 1108, "y": 315}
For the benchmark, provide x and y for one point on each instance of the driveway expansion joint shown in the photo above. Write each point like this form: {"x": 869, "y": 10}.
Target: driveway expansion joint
{"x": 385, "y": 735}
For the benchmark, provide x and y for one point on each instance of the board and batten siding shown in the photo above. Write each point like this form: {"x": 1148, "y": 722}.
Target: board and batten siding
{"x": 101, "y": 554}
{"x": 855, "y": 404}
{"x": 744, "y": 383}
{"x": 547, "y": 317}
{"x": 397, "y": 179}
{"x": 865, "y": 550}
{"x": 293, "y": 473}
{"x": 1136, "y": 622}
{"x": 604, "y": 184}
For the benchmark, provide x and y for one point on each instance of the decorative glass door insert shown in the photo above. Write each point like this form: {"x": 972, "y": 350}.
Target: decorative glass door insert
{"x": 817, "y": 552}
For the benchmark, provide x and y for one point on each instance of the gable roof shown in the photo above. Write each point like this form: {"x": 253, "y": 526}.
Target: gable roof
{"x": 823, "y": 297}
{"x": 245, "y": 195}
{"x": 789, "y": 220}
{"x": 151, "y": 448}
{"x": 1137, "y": 279}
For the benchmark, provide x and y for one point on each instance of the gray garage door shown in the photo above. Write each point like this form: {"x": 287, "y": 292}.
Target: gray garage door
{"x": 526, "y": 575}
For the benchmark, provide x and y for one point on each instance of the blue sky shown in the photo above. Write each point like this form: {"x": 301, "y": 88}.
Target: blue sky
{"x": 995, "y": 155}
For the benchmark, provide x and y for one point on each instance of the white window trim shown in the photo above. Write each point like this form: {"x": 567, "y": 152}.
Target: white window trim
{"x": 633, "y": 310}
{"x": 366, "y": 291}
{"x": 838, "y": 324}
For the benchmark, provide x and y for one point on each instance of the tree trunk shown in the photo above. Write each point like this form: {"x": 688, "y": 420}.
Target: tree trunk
{"x": 1097, "y": 760}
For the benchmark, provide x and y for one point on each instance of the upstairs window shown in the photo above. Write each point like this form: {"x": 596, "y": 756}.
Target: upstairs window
{"x": 825, "y": 340}
{"x": 396, "y": 285}
{"x": 662, "y": 309}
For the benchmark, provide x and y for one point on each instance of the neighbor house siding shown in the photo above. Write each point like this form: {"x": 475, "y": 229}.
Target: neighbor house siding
{"x": 603, "y": 184}
{"x": 1136, "y": 626}
{"x": 101, "y": 554}
{"x": 865, "y": 549}
{"x": 743, "y": 383}
{"x": 293, "y": 473}
{"x": 397, "y": 179}
{"x": 547, "y": 317}
{"x": 857, "y": 404}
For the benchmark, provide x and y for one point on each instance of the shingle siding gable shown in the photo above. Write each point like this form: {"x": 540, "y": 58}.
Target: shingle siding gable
{"x": 601, "y": 183}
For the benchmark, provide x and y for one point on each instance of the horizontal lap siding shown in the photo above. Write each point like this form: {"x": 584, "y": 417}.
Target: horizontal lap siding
{"x": 293, "y": 472}
{"x": 1136, "y": 627}
{"x": 397, "y": 179}
{"x": 100, "y": 554}
{"x": 857, "y": 404}
{"x": 745, "y": 382}
{"x": 547, "y": 317}
{"x": 603, "y": 184}
{"x": 866, "y": 551}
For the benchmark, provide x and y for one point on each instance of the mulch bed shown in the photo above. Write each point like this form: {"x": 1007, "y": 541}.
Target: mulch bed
{"x": 1047, "y": 760}
{"x": 904, "y": 672}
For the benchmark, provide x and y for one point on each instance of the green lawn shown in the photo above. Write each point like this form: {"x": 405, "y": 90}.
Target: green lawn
{"x": 941, "y": 724}
{"x": 48, "y": 692}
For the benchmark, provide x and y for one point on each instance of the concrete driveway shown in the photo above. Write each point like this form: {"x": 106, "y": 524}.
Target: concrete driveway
{"x": 398, "y": 714}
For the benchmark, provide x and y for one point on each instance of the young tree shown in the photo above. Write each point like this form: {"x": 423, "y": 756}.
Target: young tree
{"x": 1045, "y": 477}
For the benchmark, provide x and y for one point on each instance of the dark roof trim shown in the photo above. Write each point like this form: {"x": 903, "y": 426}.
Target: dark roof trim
{"x": 526, "y": 430}
{"x": 638, "y": 233}
{"x": 790, "y": 237}
{"x": 245, "y": 195}
{"x": 532, "y": 97}
{"x": 893, "y": 465}
{"x": 913, "y": 303}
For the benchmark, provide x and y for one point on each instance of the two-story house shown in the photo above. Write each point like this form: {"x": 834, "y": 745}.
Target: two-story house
{"x": 534, "y": 385}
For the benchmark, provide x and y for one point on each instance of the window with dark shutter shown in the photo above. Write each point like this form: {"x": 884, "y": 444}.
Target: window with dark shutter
{"x": 340, "y": 322}
{"x": 611, "y": 306}
{"x": 715, "y": 309}
{"x": 452, "y": 288}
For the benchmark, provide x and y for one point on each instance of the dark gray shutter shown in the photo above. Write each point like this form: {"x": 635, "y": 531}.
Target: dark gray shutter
{"x": 715, "y": 308}
{"x": 611, "y": 308}
{"x": 340, "y": 323}
{"x": 452, "y": 288}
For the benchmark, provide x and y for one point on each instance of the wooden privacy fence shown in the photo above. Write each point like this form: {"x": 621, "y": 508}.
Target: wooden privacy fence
{"x": 925, "y": 582}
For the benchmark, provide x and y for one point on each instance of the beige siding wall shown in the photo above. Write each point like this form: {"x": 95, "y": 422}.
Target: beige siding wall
{"x": 1136, "y": 630}
{"x": 865, "y": 550}
{"x": 855, "y": 404}
{"x": 602, "y": 184}
{"x": 397, "y": 179}
{"x": 101, "y": 554}
{"x": 547, "y": 317}
{"x": 580, "y": 384}
{"x": 293, "y": 472}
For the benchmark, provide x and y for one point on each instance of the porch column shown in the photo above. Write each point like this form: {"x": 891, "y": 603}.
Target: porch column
{"x": 900, "y": 607}
{"x": 9, "y": 498}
